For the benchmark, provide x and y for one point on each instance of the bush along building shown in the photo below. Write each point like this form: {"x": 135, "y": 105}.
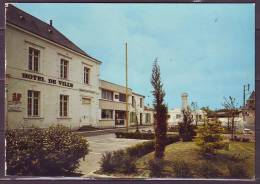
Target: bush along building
{"x": 50, "y": 80}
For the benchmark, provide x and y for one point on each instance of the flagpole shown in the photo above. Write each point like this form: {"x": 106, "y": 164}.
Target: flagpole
{"x": 126, "y": 87}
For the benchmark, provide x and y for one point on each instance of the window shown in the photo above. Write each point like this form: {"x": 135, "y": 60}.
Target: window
{"x": 86, "y": 75}
{"x": 132, "y": 117}
{"x": 122, "y": 97}
{"x": 148, "y": 118}
{"x": 64, "y": 64}
{"x": 133, "y": 101}
{"x": 108, "y": 95}
{"x": 34, "y": 59}
{"x": 116, "y": 96}
{"x": 16, "y": 97}
{"x": 178, "y": 116}
{"x": 107, "y": 114}
{"x": 141, "y": 102}
{"x": 64, "y": 101}
{"x": 33, "y": 103}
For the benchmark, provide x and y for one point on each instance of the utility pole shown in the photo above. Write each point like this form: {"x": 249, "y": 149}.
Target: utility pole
{"x": 126, "y": 88}
{"x": 244, "y": 100}
{"x": 244, "y": 94}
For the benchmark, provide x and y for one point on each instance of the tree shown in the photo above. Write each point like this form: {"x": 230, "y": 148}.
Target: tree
{"x": 208, "y": 112}
{"x": 194, "y": 107}
{"x": 230, "y": 106}
{"x": 210, "y": 137}
{"x": 161, "y": 111}
{"x": 186, "y": 128}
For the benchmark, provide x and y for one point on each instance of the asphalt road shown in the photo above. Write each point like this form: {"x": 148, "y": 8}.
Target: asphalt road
{"x": 99, "y": 145}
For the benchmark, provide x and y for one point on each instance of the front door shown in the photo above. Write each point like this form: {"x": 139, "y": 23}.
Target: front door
{"x": 85, "y": 112}
{"x": 120, "y": 118}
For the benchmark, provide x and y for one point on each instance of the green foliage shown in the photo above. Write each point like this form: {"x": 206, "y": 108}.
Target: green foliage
{"x": 208, "y": 170}
{"x": 135, "y": 135}
{"x": 210, "y": 137}
{"x": 106, "y": 162}
{"x": 186, "y": 128}
{"x": 161, "y": 111}
{"x": 142, "y": 149}
{"x": 181, "y": 169}
{"x": 156, "y": 167}
{"x": 117, "y": 161}
{"x": 55, "y": 151}
{"x": 238, "y": 170}
{"x": 123, "y": 161}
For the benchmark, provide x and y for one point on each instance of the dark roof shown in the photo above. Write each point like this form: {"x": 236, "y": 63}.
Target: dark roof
{"x": 34, "y": 25}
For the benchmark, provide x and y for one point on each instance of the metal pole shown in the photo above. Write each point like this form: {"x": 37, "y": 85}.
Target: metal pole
{"x": 126, "y": 87}
{"x": 244, "y": 96}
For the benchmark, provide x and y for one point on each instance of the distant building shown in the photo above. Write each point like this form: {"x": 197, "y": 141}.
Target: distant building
{"x": 112, "y": 107}
{"x": 149, "y": 115}
{"x": 176, "y": 116}
{"x": 225, "y": 119}
{"x": 249, "y": 112}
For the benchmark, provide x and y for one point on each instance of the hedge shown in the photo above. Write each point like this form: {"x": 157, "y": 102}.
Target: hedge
{"x": 135, "y": 135}
{"x": 54, "y": 151}
{"x": 123, "y": 161}
{"x": 142, "y": 149}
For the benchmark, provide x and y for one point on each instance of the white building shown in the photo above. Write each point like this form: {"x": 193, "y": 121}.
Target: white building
{"x": 49, "y": 79}
{"x": 176, "y": 115}
{"x": 112, "y": 106}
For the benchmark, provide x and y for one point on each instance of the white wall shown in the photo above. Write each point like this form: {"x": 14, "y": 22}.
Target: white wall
{"x": 17, "y": 43}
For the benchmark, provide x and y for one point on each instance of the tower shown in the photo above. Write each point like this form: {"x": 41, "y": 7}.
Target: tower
{"x": 184, "y": 99}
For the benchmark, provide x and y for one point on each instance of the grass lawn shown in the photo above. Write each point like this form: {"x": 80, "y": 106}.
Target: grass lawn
{"x": 190, "y": 153}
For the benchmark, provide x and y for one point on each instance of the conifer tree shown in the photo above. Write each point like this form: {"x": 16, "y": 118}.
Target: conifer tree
{"x": 186, "y": 128}
{"x": 161, "y": 111}
{"x": 210, "y": 138}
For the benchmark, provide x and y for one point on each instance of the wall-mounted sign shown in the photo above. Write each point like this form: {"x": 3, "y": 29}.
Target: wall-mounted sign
{"x": 14, "y": 106}
{"x": 50, "y": 81}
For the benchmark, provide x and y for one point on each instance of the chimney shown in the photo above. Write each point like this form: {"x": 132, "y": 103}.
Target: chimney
{"x": 51, "y": 23}
{"x": 184, "y": 99}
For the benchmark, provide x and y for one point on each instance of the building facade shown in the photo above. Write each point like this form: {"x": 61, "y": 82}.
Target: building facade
{"x": 175, "y": 116}
{"x": 112, "y": 106}
{"x": 49, "y": 79}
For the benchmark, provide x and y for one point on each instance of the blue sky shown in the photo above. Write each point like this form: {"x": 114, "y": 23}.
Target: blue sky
{"x": 206, "y": 50}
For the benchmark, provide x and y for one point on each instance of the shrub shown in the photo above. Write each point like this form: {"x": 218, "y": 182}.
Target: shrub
{"x": 208, "y": 170}
{"x": 143, "y": 148}
{"x": 117, "y": 161}
{"x": 181, "y": 168}
{"x": 239, "y": 157}
{"x": 238, "y": 170}
{"x": 55, "y": 151}
{"x": 135, "y": 135}
{"x": 174, "y": 128}
{"x": 186, "y": 128}
{"x": 210, "y": 137}
{"x": 245, "y": 139}
{"x": 123, "y": 161}
{"x": 156, "y": 168}
{"x": 106, "y": 163}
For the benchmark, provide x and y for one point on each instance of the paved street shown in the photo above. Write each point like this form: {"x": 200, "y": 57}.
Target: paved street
{"x": 99, "y": 145}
